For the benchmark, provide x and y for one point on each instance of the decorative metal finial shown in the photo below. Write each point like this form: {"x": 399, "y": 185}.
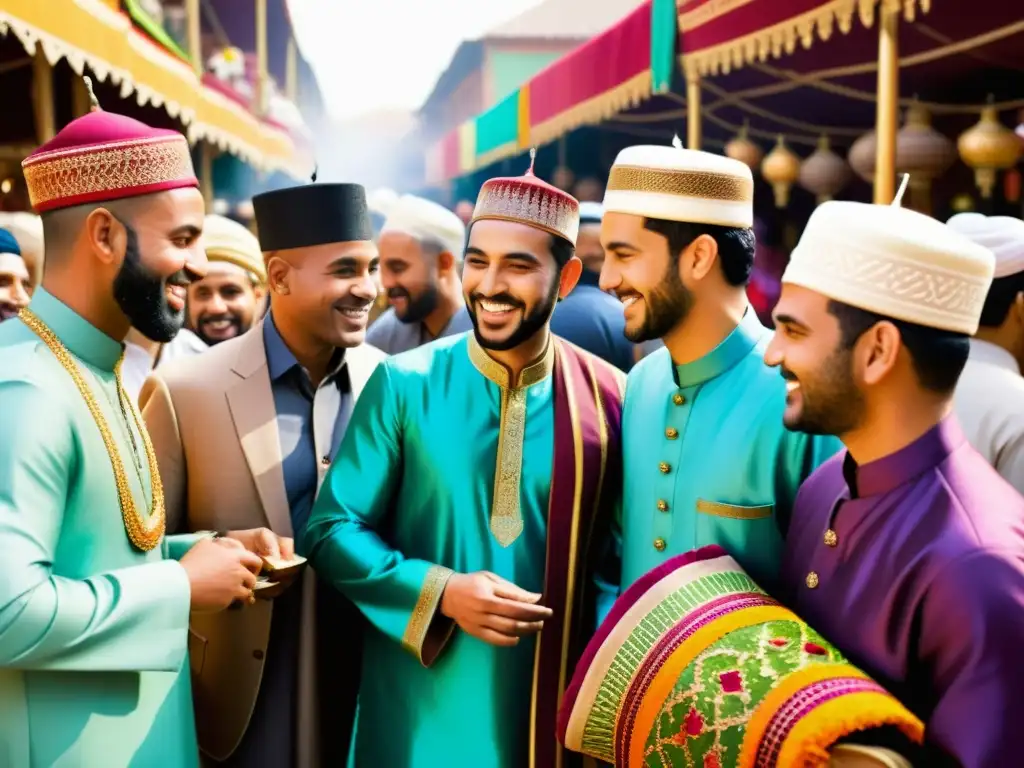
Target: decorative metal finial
{"x": 898, "y": 200}
{"x": 676, "y": 142}
{"x": 533, "y": 159}
{"x": 93, "y": 101}
{"x": 316, "y": 169}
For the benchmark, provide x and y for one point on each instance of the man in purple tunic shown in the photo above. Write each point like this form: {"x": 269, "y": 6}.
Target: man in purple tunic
{"x": 907, "y": 549}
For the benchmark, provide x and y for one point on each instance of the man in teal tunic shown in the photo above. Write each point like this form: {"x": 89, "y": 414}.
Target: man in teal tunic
{"x": 459, "y": 512}
{"x": 94, "y": 601}
{"x": 706, "y": 458}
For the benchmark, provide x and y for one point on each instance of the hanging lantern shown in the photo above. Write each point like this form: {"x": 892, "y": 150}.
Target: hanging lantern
{"x": 781, "y": 168}
{"x": 922, "y": 152}
{"x": 989, "y": 147}
{"x": 824, "y": 173}
{"x": 743, "y": 149}
{"x": 862, "y": 156}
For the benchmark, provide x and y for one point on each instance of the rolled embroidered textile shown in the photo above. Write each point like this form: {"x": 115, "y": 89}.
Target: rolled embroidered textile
{"x": 695, "y": 665}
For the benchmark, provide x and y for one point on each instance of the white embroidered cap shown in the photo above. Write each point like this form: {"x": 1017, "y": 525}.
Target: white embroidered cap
{"x": 1003, "y": 235}
{"x": 681, "y": 185}
{"x": 426, "y": 220}
{"x": 894, "y": 262}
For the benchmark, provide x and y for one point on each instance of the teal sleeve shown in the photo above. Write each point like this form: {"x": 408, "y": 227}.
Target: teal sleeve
{"x": 608, "y": 574}
{"x": 176, "y": 547}
{"x": 804, "y": 454}
{"x": 399, "y": 596}
{"x": 132, "y": 619}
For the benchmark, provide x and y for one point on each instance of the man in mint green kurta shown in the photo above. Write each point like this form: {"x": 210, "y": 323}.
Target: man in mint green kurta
{"x": 94, "y": 604}
{"x": 706, "y": 458}
{"x": 459, "y": 464}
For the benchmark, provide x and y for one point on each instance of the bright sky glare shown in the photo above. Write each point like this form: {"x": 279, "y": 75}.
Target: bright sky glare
{"x": 382, "y": 54}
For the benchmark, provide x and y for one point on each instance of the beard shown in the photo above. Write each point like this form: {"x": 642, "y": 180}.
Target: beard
{"x": 211, "y": 339}
{"x": 830, "y": 404}
{"x": 665, "y": 307}
{"x": 142, "y": 294}
{"x": 532, "y": 323}
{"x": 416, "y": 309}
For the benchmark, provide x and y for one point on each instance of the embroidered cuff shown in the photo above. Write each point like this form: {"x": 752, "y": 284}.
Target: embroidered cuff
{"x": 428, "y": 631}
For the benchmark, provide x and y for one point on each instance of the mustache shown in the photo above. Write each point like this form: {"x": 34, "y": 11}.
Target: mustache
{"x": 787, "y": 374}
{"x": 398, "y": 293}
{"x": 183, "y": 278}
{"x": 217, "y": 318}
{"x": 499, "y": 298}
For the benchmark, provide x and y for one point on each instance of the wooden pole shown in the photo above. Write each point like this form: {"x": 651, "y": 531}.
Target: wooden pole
{"x": 292, "y": 71}
{"x": 206, "y": 174}
{"x": 693, "y": 122}
{"x": 887, "y": 109}
{"x": 261, "y": 56}
{"x": 80, "y": 104}
{"x": 42, "y": 97}
{"x": 195, "y": 40}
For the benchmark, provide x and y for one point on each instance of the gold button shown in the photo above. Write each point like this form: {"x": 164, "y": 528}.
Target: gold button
{"x": 831, "y": 539}
{"x": 678, "y": 399}
{"x": 665, "y": 467}
{"x": 659, "y": 544}
{"x": 812, "y": 580}
{"x": 326, "y": 461}
{"x": 671, "y": 433}
{"x": 662, "y": 505}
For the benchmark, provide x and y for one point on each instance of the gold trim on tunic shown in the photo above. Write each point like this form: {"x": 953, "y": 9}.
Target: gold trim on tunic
{"x": 425, "y": 610}
{"x": 506, "y": 515}
{"x": 734, "y": 511}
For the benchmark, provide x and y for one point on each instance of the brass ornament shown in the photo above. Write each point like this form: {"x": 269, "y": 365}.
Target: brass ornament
{"x": 781, "y": 169}
{"x": 145, "y": 533}
{"x": 989, "y": 147}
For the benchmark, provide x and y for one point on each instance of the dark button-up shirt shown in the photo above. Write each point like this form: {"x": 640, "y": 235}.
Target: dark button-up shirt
{"x": 593, "y": 320}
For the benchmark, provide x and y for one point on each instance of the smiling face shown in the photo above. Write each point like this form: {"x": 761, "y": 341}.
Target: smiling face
{"x": 511, "y": 282}
{"x": 14, "y": 282}
{"x": 223, "y": 304}
{"x": 408, "y": 275}
{"x": 162, "y": 255}
{"x": 822, "y": 396}
{"x": 640, "y": 270}
{"x": 326, "y": 290}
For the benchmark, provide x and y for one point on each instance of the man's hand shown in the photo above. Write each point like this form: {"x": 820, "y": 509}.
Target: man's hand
{"x": 264, "y": 542}
{"x": 219, "y": 573}
{"x": 492, "y": 609}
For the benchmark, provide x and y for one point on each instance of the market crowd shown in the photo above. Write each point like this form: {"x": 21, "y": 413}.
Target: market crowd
{"x": 566, "y": 498}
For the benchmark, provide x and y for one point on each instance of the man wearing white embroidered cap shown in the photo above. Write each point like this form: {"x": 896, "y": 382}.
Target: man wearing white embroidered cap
{"x": 907, "y": 549}
{"x": 990, "y": 396}
{"x": 420, "y": 246}
{"x": 706, "y": 458}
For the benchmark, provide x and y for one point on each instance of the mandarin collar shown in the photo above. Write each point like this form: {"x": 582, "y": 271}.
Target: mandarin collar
{"x": 910, "y": 462}
{"x": 501, "y": 375}
{"x": 81, "y": 338}
{"x": 736, "y": 346}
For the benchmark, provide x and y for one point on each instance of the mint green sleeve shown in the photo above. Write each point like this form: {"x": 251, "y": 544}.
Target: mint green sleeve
{"x": 608, "y": 573}
{"x": 803, "y": 455}
{"x": 132, "y": 619}
{"x": 177, "y": 546}
{"x": 400, "y": 596}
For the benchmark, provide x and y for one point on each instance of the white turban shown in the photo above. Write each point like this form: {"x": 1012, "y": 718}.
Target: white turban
{"x": 1003, "y": 235}
{"x": 427, "y": 221}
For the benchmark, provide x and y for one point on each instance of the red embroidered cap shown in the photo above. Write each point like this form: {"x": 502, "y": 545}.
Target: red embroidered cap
{"x": 104, "y": 156}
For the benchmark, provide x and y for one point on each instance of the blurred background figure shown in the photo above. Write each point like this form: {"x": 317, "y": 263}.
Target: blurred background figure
{"x": 588, "y": 242}
{"x": 14, "y": 277}
{"x": 420, "y": 247}
{"x": 27, "y": 229}
{"x": 464, "y": 210}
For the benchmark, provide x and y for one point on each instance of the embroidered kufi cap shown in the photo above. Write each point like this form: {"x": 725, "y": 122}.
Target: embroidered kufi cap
{"x": 426, "y": 220}
{"x": 681, "y": 185}
{"x": 1003, "y": 235}
{"x": 696, "y": 665}
{"x": 8, "y": 243}
{"x": 227, "y": 240}
{"x": 313, "y": 214}
{"x": 529, "y": 200}
{"x": 103, "y": 156}
{"x": 895, "y": 262}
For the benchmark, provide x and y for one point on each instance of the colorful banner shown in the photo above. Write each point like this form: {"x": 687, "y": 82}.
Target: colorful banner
{"x": 497, "y": 131}
{"x": 663, "y": 44}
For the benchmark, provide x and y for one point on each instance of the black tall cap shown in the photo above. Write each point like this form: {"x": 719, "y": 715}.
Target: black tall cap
{"x": 313, "y": 214}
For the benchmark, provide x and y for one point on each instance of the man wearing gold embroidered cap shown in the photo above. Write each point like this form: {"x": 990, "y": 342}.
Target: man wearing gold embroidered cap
{"x": 907, "y": 549}
{"x": 94, "y": 600}
{"x": 706, "y": 459}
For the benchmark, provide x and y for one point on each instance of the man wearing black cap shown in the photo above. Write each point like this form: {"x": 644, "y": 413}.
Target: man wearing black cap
{"x": 247, "y": 431}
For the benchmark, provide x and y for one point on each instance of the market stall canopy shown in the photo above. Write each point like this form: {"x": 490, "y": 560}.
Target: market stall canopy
{"x": 90, "y": 33}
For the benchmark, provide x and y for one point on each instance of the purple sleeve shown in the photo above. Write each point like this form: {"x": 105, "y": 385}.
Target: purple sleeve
{"x": 972, "y": 642}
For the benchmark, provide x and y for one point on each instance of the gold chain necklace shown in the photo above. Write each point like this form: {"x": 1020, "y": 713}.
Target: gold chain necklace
{"x": 144, "y": 533}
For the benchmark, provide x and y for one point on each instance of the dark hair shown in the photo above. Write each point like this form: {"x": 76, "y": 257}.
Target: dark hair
{"x": 561, "y": 249}
{"x": 735, "y": 246}
{"x": 1000, "y": 298}
{"x": 938, "y": 356}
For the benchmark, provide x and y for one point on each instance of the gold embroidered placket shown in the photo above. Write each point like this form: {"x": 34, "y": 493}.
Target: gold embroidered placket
{"x": 145, "y": 533}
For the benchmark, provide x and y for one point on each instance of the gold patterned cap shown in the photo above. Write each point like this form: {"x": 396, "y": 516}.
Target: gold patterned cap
{"x": 226, "y": 240}
{"x": 894, "y": 262}
{"x": 681, "y": 185}
{"x": 529, "y": 200}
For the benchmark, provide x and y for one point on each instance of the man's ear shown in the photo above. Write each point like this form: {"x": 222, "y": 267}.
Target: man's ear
{"x": 107, "y": 237}
{"x": 878, "y": 350}
{"x": 701, "y": 255}
{"x": 278, "y": 274}
{"x": 569, "y": 276}
{"x": 445, "y": 262}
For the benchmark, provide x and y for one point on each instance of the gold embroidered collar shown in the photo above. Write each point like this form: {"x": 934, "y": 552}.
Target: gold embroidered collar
{"x": 500, "y": 374}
